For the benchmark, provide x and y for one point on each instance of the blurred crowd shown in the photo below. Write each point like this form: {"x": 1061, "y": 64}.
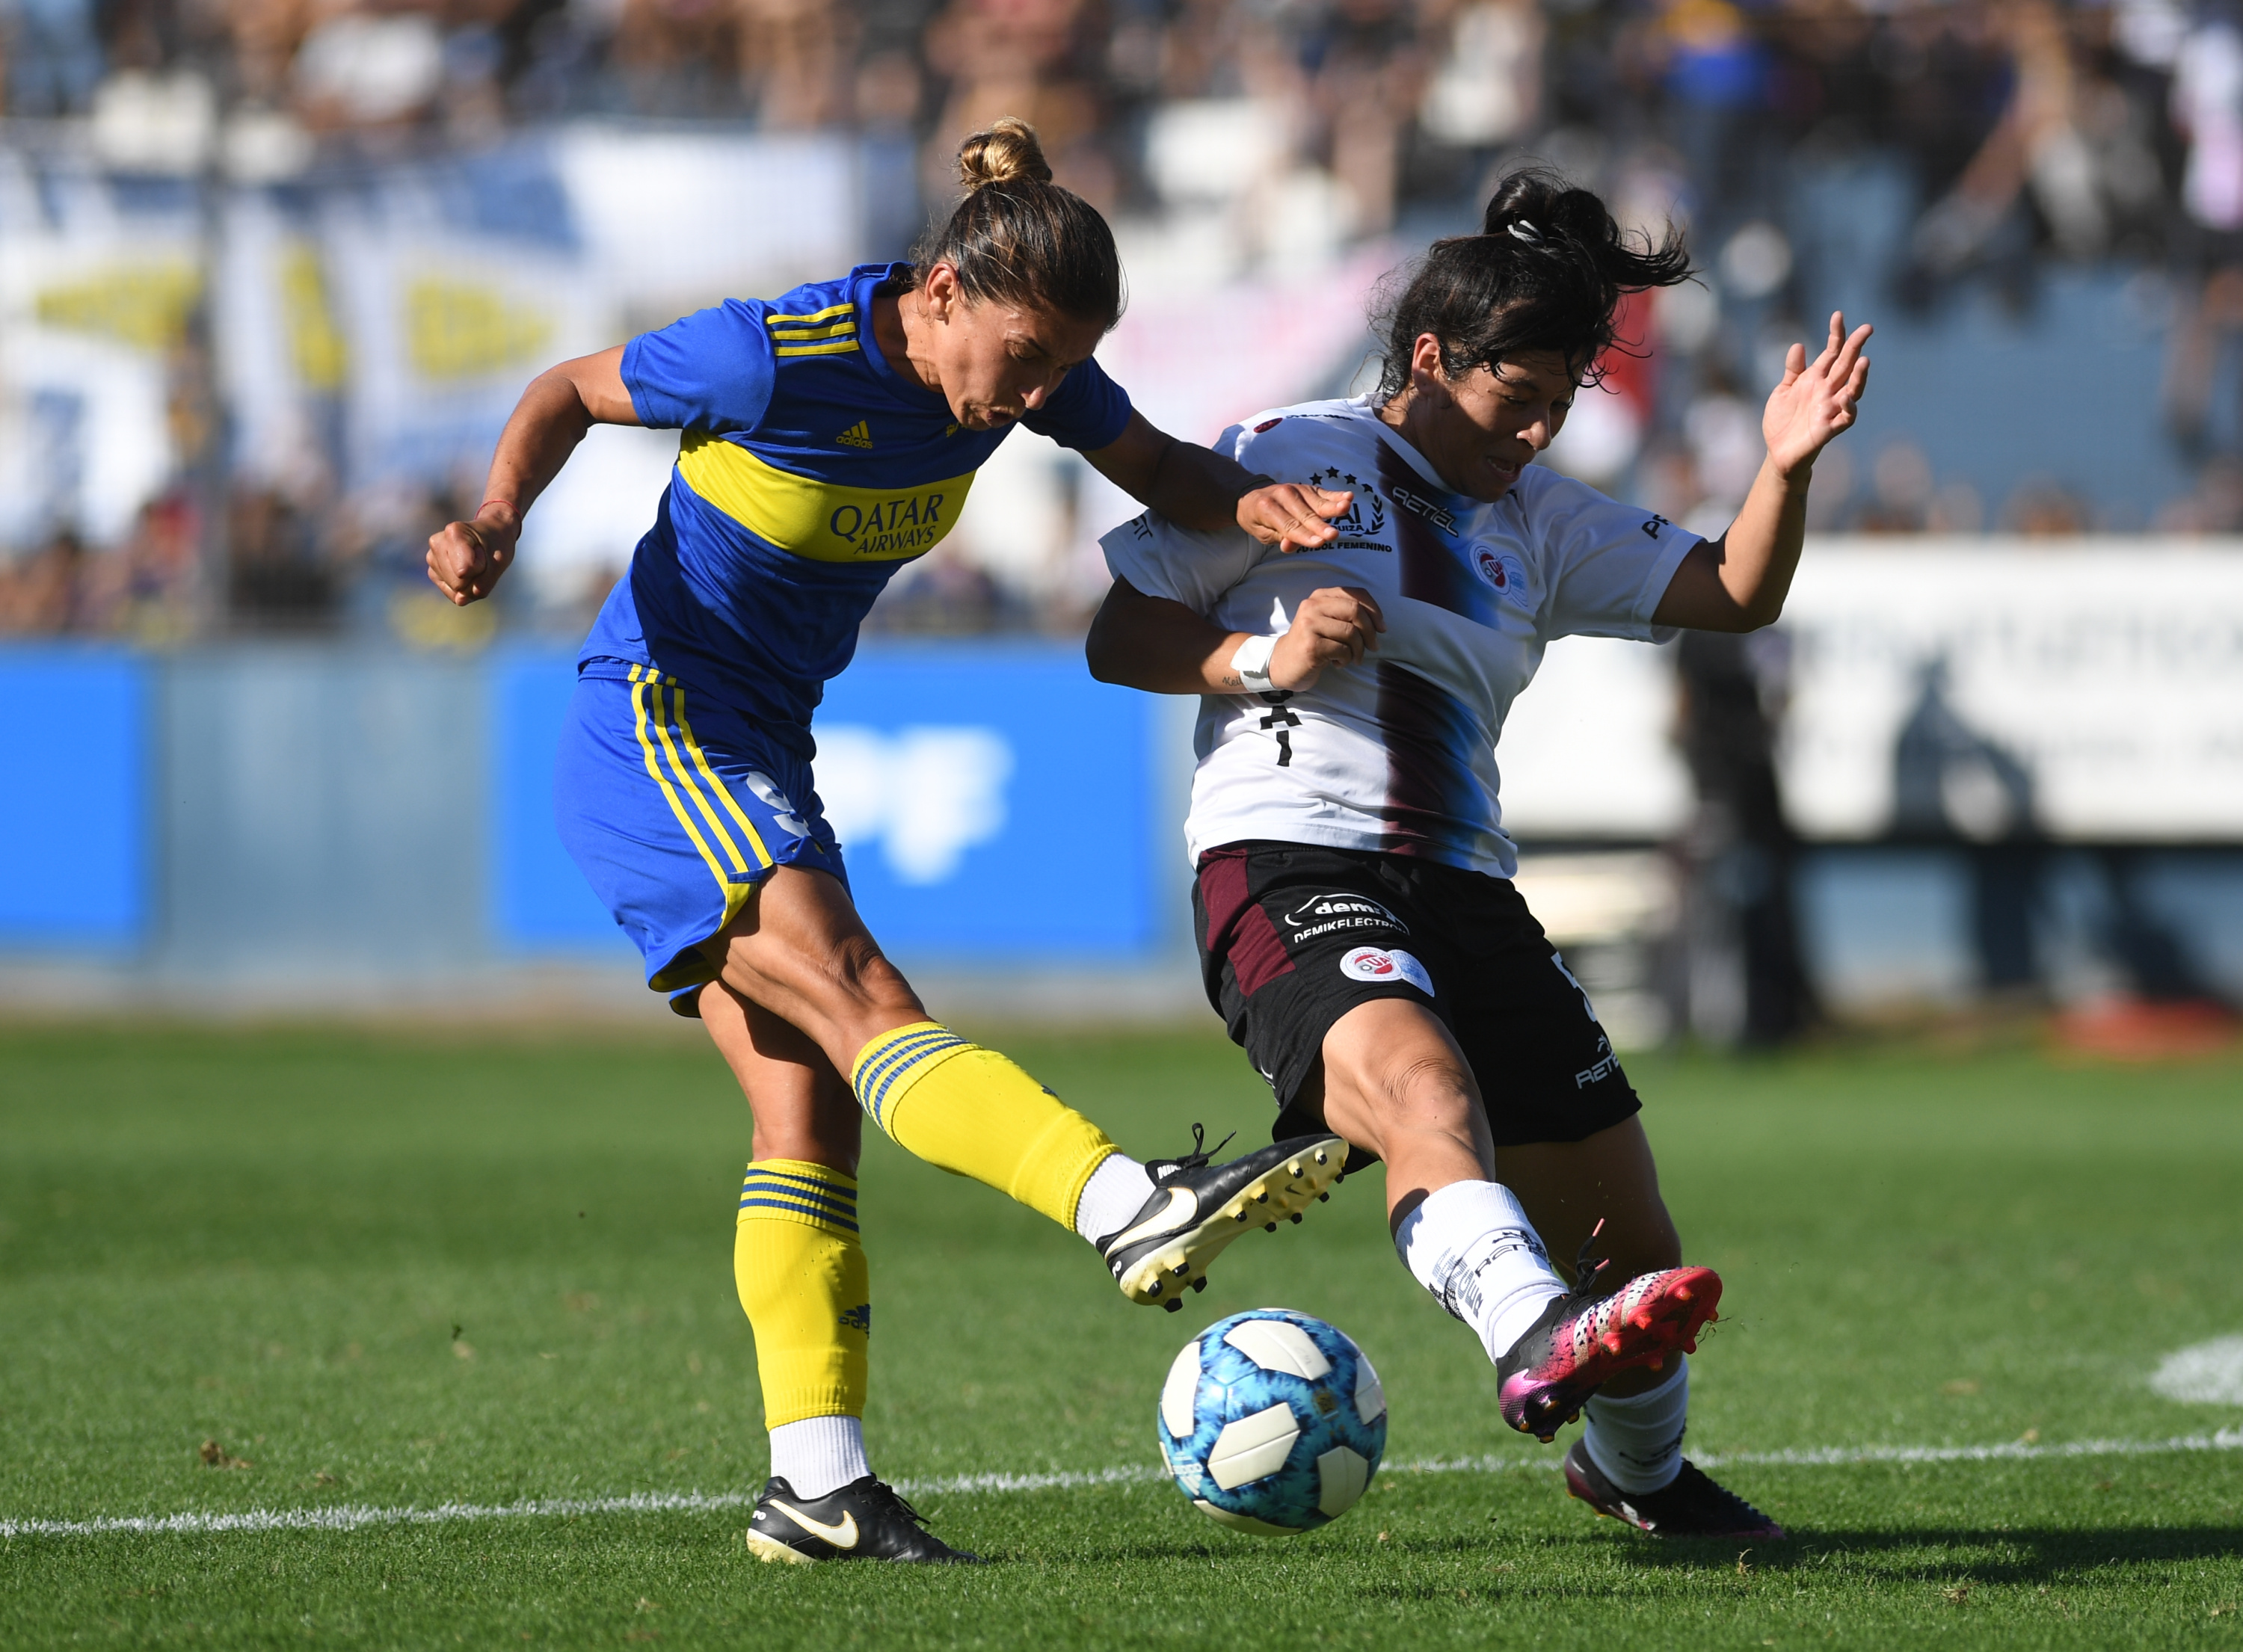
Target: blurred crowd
{"x": 2022, "y": 133}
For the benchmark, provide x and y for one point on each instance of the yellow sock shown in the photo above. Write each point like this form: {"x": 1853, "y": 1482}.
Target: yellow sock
{"x": 974, "y": 1113}
{"x": 807, "y": 1292}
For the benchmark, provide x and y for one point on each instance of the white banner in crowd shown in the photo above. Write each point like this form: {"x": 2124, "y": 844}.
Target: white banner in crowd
{"x": 673, "y": 222}
{"x": 445, "y": 328}
{"x": 2087, "y": 691}
{"x": 2109, "y": 672}
{"x": 389, "y": 302}
{"x": 95, "y": 293}
{"x": 281, "y": 351}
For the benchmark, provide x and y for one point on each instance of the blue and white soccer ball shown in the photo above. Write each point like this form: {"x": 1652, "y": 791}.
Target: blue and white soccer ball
{"x": 1272, "y": 1421}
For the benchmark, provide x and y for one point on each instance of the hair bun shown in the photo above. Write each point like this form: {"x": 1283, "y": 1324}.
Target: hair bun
{"x": 1007, "y": 153}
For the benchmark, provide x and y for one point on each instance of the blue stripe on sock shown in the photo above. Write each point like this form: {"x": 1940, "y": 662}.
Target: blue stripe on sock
{"x": 807, "y": 1183}
{"x": 871, "y": 1084}
{"x": 903, "y": 1053}
{"x": 780, "y": 1190}
{"x": 893, "y": 1063}
{"x": 827, "y": 1217}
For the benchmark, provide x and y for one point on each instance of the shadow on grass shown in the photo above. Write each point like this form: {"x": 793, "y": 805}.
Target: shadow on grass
{"x": 2014, "y": 1555}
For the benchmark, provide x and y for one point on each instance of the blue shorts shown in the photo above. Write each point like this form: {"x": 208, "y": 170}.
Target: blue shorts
{"x": 675, "y": 813}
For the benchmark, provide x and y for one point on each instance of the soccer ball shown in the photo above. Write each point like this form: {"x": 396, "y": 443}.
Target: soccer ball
{"x": 1272, "y": 1421}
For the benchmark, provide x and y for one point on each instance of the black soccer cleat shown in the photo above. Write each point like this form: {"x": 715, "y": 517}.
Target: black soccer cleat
{"x": 866, "y": 1520}
{"x": 1689, "y": 1505}
{"x": 1200, "y": 1207}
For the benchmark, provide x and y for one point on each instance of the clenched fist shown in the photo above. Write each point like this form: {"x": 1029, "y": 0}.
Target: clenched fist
{"x": 1336, "y": 626}
{"x": 465, "y": 558}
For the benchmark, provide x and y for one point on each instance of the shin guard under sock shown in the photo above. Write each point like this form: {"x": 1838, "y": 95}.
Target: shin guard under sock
{"x": 1637, "y": 1441}
{"x": 803, "y": 1280}
{"x": 972, "y": 1112}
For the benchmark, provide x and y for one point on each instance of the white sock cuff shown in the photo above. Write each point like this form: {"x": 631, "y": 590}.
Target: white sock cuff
{"x": 1117, "y": 1190}
{"x": 1465, "y": 1207}
{"x": 819, "y": 1456}
{"x": 1472, "y": 1245}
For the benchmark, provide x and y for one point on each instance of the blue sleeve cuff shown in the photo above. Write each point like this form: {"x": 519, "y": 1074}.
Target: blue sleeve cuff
{"x": 655, "y": 412}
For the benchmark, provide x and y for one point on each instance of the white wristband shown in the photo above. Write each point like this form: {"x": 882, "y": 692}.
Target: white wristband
{"x": 1251, "y": 662}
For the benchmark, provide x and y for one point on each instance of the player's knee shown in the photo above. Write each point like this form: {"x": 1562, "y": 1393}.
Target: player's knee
{"x": 1648, "y": 1249}
{"x": 862, "y": 971}
{"x": 1427, "y": 1091}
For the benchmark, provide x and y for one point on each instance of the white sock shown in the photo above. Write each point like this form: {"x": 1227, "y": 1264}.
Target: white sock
{"x": 819, "y": 1455}
{"x": 1471, "y": 1245}
{"x": 1117, "y": 1190}
{"x": 1638, "y": 1441}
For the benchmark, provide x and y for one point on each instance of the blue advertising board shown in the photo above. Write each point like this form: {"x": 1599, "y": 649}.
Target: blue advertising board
{"x": 74, "y": 817}
{"x": 993, "y": 802}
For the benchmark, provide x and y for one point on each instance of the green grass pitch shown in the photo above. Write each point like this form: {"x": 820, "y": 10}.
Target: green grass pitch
{"x": 389, "y": 1271}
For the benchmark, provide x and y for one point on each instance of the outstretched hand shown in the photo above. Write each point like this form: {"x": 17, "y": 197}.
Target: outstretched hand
{"x": 465, "y": 558}
{"x": 1291, "y": 516}
{"x": 1817, "y": 398}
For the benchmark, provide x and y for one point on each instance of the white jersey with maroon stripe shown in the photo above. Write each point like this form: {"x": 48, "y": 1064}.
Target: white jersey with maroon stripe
{"x": 1397, "y": 753}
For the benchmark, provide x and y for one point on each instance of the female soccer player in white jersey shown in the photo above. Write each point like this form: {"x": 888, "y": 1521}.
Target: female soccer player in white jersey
{"x": 831, "y": 435}
{"x": 1357, "y": 927}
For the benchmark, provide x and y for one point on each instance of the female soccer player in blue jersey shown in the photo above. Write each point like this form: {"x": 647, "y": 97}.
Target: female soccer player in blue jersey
{"x": 830, "y": 436}
{"x": 1359, "y": 928}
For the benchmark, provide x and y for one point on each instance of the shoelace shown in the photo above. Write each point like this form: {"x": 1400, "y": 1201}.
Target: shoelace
{"x": 1201, "y": 1155}
{"x": 1586, "y": 1273}
{"x": 884, "y": 1492}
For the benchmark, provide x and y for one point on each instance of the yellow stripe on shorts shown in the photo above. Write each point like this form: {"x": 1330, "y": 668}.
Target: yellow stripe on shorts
{"x": 732, "y": 804}
{"x": 662, "y": 717}
{"x": 639, "y": 686}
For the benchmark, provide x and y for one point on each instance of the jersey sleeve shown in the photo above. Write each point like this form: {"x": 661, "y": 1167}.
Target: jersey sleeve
{"x": 1180, "y": 564}
{"x": 1608, "y": 563}
{"x": 712, "y": 370}
{"x": 1088, "y": 412}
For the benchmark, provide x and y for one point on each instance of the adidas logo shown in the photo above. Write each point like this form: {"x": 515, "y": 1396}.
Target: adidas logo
{"x": 855, "y": 436}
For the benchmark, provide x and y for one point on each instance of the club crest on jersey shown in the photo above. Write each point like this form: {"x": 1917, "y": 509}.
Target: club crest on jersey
{"x": 1365, "y": 514}
{"x": 1501, "y": 569}
{"x": 1378, "y": 963}
{"x": 1331, "y": 914}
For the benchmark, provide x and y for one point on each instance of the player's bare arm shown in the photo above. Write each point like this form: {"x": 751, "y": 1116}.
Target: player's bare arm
{"x": 467, "y": 559}
{"x": 1737, "y": 582}
{"x": 1196, "y": 487}
{"x": 1161, "y": 647}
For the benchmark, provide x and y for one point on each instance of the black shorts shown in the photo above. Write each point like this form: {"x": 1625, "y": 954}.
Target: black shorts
{"x": 1292, "y": 937}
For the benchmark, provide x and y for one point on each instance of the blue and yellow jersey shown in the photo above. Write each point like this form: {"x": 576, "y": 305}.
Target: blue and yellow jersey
{"x": 807, "y": 474}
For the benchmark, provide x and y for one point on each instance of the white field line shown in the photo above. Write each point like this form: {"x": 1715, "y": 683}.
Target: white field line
{"x": 351, "y": 1516}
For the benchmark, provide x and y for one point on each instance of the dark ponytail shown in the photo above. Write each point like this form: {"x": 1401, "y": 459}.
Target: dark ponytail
{"x": 1545, "y": 272}
{"x": 1017, "y": 237}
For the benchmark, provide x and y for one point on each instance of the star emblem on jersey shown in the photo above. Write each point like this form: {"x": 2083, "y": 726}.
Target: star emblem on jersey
{"x": 856, "y": 436}
{"x": 1364, "y": 518}
{"x": 1198, "y": 1207}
